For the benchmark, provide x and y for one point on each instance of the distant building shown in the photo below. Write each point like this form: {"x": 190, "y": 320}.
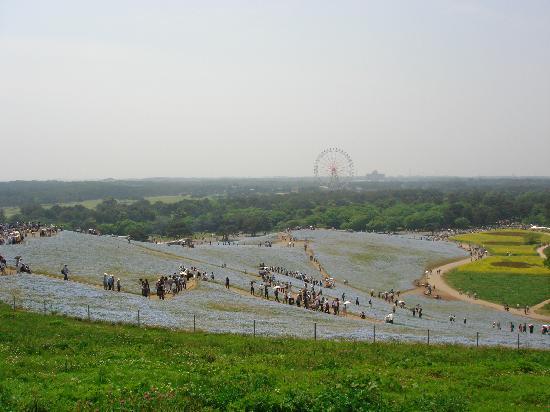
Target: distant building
{"x": 375, "y": 176}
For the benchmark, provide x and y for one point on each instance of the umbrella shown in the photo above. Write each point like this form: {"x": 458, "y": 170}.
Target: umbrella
{"x": 276, "y": 287}
{"x": 347, "y": 302}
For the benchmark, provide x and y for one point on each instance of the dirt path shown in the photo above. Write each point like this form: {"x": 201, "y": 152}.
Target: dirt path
{"x": 285, "y": 238}
{"x": 306, "y": 246}
{"x": 540, "y": 251}
{"x": 444, "y": 289}
{"x": 539, "y": 306}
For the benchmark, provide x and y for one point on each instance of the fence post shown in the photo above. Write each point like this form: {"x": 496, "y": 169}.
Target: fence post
{"x": 315, "y": 331}
{"x": 428, "y": 336}
{"x": 14, "y": 302}
{"x": 374, "y": 333}
{"x": 477, "y": 339}
{"x": 194, "y": 323}
{"x": 138, "y": 318}
{"x": 254, "y": 329}
{"x": 44, "y": 307}
{"x": 88, "y": 312}
{"x": 518, "y": 340}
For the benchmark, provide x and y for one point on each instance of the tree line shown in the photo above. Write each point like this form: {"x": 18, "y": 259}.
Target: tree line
{"x": 377, "y": 210}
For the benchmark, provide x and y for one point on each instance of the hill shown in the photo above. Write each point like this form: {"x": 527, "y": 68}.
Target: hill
{"x": 56, "y": 363}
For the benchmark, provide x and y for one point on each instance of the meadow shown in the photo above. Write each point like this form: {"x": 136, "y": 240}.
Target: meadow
{"x": 507, "y": 242}
{"x": 56, "y": 363}
{"x": 513, "y": 275}
{"x": 504, "y": 288}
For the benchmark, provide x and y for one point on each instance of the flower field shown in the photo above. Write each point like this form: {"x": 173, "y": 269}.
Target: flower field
{"x": 217, "y": 309}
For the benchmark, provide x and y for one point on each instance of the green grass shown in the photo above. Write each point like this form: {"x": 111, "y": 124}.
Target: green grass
{"x": 510, "y": 288}
{"x": 521, "y": 278}
{"x": 515, "y": 250}
{"x": 504, "y": 242}
{"x": 55, "y": 363}
{"x": 10, "y": 211}
{"x": 167, "y": 199}
{"x": 522, "y": 265}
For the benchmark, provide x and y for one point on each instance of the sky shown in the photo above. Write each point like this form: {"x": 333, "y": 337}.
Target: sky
{"x": 129, "y": 89}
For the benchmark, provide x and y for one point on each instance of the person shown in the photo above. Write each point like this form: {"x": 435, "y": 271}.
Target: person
{"x": 147, "y": 289}
{"x": 266, "y": 292}
{"x": 464, "y": 320}
{"x": 105, "y": 281}
{"x": 65, "y": 272}
{"x": 370, "y": 303}
{"x": 118, "y": 285}
{"x": 357, "y": 300}
{"x": 252, "y": 287}
{"x": 363, "y": 315}
{"x": 227, "y": 282}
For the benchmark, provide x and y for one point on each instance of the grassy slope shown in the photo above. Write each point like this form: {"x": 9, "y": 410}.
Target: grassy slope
{"x": 54, "y": 363}
{"x": 502, "y": 288}
{"x": 520, "y": 279}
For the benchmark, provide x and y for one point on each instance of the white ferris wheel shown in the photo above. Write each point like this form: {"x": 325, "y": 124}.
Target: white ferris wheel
{"x": 333, "y": 168}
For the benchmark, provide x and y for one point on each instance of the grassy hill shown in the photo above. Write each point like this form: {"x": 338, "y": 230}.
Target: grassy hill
{"x": 55, "y": 363}
{"x": 514, "y": 274}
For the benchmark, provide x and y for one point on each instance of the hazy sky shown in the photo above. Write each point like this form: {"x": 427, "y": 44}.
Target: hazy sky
{"x": 258, "y": 88}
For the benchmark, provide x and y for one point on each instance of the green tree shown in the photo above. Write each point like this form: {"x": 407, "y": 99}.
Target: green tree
{"x": 462, "y": 223}
{"x": 178, "y": 227}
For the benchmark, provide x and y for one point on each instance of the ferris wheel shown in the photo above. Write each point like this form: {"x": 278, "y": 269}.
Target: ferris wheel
{"x": 333, "y": 168}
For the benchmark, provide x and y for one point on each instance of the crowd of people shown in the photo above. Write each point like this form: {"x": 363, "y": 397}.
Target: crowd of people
{"x": 311, "y": 298}
{"x": 174, "y": 283}
{"x": 307, "y": 297}
{"x": 109, "y": 283}
{"x": 307, "y": 279}
{"x": 15, "y": 233}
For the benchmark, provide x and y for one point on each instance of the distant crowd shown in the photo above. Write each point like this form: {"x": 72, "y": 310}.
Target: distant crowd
{"x": 15, "y": 233}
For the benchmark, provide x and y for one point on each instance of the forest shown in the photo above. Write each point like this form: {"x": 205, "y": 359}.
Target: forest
{"x": 382, "y": 209}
